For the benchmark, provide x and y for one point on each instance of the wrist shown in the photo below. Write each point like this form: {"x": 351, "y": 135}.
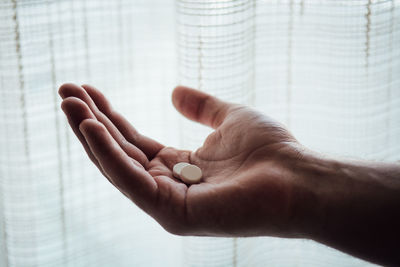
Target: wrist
{"x": 313, "y": 177}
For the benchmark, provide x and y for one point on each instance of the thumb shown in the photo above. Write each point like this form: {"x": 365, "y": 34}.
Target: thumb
{"x": 199, "y": 106}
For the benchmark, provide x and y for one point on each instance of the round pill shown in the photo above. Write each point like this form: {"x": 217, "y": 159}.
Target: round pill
{"x": 176, "y": 170}
{"x": 191, "y": 174}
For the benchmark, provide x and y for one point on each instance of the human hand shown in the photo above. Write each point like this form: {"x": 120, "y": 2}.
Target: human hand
{"x": 257, "y": 179}
{"x": 248, "y": 185}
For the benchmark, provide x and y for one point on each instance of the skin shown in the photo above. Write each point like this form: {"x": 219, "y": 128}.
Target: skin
{"x": 258, "y": 180}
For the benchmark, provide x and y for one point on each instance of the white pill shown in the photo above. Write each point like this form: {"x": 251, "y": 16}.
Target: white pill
{"x": 191, "y": 174}
{"x": 176, "y": 170}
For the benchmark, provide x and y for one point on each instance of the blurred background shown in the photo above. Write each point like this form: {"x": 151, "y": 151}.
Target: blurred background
{"x": 329, "y": 70}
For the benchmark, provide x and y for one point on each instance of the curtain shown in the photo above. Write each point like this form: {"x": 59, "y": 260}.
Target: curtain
{"x": 329, "y": 70}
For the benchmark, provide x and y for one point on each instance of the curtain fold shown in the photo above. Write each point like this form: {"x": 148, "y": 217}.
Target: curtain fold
{"x": 329, "y": 70}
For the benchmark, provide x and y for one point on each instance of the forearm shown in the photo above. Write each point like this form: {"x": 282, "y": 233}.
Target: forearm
{"x": 351, "y": 206}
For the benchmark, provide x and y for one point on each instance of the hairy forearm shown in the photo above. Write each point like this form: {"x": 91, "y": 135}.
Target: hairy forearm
{"x": 351, "y": 206}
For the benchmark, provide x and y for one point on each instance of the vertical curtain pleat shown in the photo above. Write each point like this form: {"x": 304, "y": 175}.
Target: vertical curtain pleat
{"x": 216, "y": 46}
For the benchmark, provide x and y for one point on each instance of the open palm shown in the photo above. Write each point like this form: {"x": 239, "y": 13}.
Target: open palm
{"x": 245, "y": 190}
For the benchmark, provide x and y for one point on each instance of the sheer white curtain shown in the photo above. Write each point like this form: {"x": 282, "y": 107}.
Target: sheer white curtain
{"x": 330, "y": 70}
